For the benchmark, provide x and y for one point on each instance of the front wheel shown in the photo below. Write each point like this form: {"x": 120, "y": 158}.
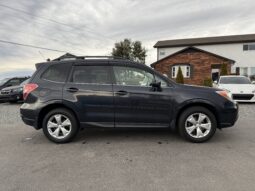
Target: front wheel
{"x": 60, "y": 126}
{"x": 197, "y": 124}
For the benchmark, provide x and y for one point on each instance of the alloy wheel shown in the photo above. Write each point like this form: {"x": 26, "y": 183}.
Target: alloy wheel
{"x": 59, "y": 126}
{"x": 198, "y": 125}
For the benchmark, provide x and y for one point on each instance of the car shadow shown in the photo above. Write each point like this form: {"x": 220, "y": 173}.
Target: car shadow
{"x": 127, "y": 135}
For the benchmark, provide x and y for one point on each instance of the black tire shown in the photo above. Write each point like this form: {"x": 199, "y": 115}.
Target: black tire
{"x": 74, "y": 128}
{"x": 193, "y": 110}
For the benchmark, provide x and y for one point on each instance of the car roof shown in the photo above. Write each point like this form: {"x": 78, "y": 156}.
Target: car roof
{"x": 231, "y": 76}
{"x": 89, "y": 61}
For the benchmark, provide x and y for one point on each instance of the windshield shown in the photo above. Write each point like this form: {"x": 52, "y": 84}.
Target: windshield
{"x": 3, "y": 81}
{"x": 25, "y": 82}
{"x": 234, "y": 80}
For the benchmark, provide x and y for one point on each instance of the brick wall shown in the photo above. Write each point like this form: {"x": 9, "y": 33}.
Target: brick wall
{"x": 200, "y": 62}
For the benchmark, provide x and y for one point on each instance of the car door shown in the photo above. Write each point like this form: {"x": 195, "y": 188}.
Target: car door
{"x": 89, "y": 89}
{"x": 137, "y": 104}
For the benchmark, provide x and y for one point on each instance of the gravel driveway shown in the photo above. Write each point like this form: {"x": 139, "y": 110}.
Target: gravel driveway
{"x": 126, "y": 159}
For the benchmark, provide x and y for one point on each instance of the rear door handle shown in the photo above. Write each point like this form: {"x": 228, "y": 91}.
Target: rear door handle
{"x": 121, "y": 93}
{"x": 73, "y": 90}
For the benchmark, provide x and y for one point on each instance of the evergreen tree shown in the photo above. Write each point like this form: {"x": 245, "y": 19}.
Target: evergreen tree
{"x": 179, "y": 78}
{"x": 130, "y": 50}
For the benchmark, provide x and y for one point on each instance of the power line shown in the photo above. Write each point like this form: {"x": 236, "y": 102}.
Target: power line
{"x": 31, "y": 46}
{"x": 64, "y": 43}
{"x": 51, "y": 20}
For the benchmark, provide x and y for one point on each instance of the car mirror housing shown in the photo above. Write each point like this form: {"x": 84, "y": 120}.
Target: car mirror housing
{"x": 156, "y": 86}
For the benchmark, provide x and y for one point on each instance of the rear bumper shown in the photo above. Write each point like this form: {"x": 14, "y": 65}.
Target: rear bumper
{"x": 27, "y": 121}
{"x": 228, "y": 116}
{"x": 29, "y": 115}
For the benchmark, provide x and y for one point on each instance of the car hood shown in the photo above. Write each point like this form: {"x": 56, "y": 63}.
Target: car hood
{"x": 12, "y": 88}
{"x": 238, "y": 88}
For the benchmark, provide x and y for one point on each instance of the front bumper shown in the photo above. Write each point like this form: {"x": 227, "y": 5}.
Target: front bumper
{"x": 229, "y": 115}
{"x": 243, "y": 97}
{"x": 11, "y": 97}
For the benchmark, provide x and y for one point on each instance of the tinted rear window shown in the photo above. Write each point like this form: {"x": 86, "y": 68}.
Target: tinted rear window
{"x": 56, "y": 73}
{"x": 91, "y": 75}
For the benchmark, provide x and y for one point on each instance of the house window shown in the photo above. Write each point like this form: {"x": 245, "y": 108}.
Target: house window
{"x": 244, "y": 71}
{"x": 173, "y": 72}
{"x": 188, "y": 71}
{"x": 247, "y": 47}
{"x": 252, "y": 74}
{"x": 185, "y": 70}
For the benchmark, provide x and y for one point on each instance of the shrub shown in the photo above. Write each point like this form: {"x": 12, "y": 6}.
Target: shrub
{"x": 208, "y": 82}
{"x": 179, "y": 78}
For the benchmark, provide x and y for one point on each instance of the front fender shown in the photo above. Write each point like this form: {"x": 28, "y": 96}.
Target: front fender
{"x": 180, "y": 107}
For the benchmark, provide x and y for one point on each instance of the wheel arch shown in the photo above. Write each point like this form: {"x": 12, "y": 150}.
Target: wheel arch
{"x": 49, "y": 108}
{"x": 194, "y": 103}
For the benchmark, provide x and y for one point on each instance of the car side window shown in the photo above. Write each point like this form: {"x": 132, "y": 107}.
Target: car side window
{"x": 132, "y": 76}
{"x": 91, "y": 75}
{"x": 13, "y": 82}
{"x": 56, "y": 73}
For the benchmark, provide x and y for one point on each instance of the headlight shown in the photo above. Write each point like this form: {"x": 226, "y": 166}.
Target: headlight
{"x": 18, "y": 90}
{"x": 224, "y": 94}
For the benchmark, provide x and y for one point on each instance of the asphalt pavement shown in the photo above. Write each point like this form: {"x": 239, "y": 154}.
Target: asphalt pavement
{"x": 126, "y": 159}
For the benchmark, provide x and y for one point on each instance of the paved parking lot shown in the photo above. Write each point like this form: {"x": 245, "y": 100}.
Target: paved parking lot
{"x": 126, "y": 159}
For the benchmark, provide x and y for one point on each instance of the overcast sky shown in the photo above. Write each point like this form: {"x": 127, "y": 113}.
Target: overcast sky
{"x": 91, "y": 27}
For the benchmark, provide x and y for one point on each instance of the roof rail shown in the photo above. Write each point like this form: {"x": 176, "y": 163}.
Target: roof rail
{"x": 73, "y": 57}
{"x": 100, "y": 57}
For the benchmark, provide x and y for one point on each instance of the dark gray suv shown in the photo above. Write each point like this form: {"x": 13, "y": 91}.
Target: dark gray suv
{"x": 64, "y": 96}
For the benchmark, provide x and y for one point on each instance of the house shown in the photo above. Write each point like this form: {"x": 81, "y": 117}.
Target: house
{"x": 66, "y": 56}
{"x": 201, "y": 58}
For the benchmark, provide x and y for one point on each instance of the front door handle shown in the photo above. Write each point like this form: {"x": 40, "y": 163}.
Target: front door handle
{"x": 121, "y": 93}
{"x": 72, "y": 90}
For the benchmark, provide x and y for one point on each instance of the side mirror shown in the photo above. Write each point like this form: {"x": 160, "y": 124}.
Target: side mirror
{"x": 156, "y": 86}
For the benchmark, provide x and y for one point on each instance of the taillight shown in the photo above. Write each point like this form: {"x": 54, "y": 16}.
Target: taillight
{"x": 28, "y": 88}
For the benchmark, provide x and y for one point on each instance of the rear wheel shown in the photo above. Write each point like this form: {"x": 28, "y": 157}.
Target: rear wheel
{"x": 60, "y": 126}
{"x": 197, "y": 124}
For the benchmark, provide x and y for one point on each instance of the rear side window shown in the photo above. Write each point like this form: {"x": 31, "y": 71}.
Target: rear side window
{"x": 56, "y": 73}
{"x": 91, "y": 75}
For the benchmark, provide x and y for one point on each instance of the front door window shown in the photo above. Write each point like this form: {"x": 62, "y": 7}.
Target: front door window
{"x": 132, "y": 76}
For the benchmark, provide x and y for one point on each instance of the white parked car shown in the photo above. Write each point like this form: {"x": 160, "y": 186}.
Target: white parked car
{"x": 240, "y": 88}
